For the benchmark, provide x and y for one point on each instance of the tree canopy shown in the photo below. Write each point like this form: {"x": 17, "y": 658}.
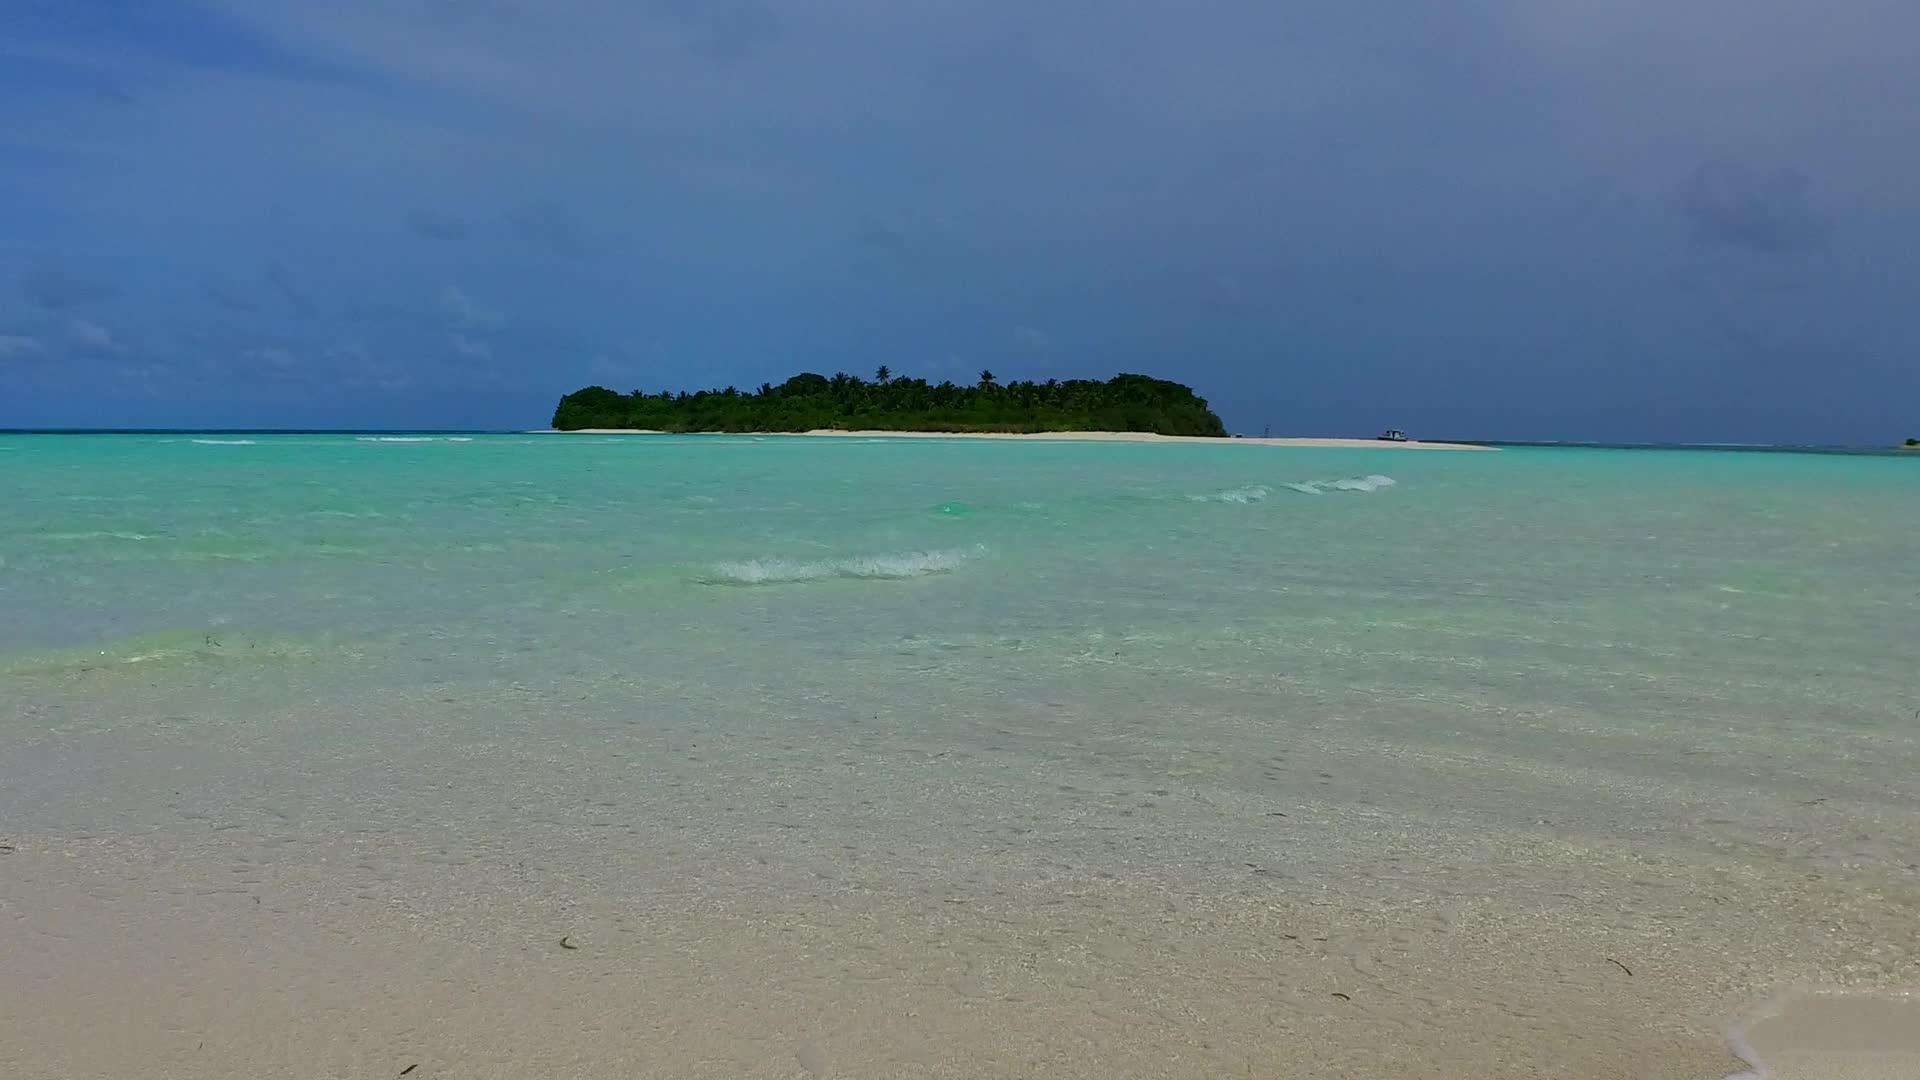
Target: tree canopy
{"x": 809, "y": 401}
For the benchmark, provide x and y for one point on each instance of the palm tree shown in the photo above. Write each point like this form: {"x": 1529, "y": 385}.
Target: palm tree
{"x": 986, "y": 378}
{"x": 883, "y": 374}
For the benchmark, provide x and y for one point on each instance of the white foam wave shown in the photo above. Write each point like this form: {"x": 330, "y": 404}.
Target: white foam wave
{"x": 82, "y": 537}
{"x": 393, "y": 438}
{"x": 224, "y": 442}
{"x": 1372, "y": 482}
{"x": 889, "y": 566}
{"x": 1248, "y": 493}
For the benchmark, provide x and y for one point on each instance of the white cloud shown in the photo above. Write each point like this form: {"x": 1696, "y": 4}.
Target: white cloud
{"x": 460, "y": 310}
{"x": 14, "y": 346}
{"x": 470, "y": 348}
{"x": 91, "y": 336}
{"x": 1033, "y": 338}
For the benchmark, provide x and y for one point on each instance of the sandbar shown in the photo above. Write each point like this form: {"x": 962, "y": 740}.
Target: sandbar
{"x": 1079, "y": 436}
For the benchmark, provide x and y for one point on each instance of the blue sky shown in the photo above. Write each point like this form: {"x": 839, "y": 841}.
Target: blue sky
{"x": 1617, "y": 219}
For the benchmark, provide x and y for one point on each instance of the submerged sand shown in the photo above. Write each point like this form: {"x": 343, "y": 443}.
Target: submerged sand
{"x": 379, "y": 878}
{"x": 1086, "y": 436}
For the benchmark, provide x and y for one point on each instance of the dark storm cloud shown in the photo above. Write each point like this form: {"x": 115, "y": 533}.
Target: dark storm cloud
{"x": 1314, "y": 211}
{"x": 1732, "y": 204}
{"x": 315, "y": 365}
{"x": 913, "y": 243}
{"x": 276, "y": 363}
{"x": 436, "y": 225}
{"x": 51, "y": 287}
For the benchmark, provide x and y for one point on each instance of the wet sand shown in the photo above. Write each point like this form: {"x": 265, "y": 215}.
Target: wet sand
{"x": 1833, "y": 1037}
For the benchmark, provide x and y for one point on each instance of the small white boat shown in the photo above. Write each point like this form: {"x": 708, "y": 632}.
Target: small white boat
{"x": 1392, "y": 435}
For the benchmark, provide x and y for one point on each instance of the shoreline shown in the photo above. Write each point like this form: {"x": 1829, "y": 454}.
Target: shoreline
{"x": 1304, "y": 442}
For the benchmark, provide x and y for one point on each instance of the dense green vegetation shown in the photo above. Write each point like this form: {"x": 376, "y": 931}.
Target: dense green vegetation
{"x": 807, "y": 402}
{"x": 1913, "y": 442}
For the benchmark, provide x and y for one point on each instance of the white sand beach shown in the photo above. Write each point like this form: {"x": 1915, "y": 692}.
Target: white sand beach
{"x": 1083, "y": 436}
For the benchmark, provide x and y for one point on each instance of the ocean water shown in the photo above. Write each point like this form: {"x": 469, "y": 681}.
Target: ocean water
{"x": 585, "y": 756}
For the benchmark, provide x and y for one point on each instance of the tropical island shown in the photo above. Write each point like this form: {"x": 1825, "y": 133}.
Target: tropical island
{"x": 812, "y": 402}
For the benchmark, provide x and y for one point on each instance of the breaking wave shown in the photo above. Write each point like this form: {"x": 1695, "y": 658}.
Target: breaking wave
{"x": 224, "y": 442}
{"x": 1373, "y": 482}
{"x": 393, "y": 438}
{"x": 889, "y": 566}
{"x": 85, "y": 537}
{"x": 1249, "y": 493}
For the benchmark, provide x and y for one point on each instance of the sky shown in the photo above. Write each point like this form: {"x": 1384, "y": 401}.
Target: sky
{"x": 1633, "y": 220}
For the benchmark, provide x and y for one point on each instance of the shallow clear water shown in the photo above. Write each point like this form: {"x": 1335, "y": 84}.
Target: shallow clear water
{"x": 951, "y": 758}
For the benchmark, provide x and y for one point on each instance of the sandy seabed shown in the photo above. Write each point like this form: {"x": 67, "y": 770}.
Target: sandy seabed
{"x": 533, "y": 800}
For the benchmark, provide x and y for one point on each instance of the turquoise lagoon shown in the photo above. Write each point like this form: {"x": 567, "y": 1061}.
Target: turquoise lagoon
{"x": 941, "y": 758}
